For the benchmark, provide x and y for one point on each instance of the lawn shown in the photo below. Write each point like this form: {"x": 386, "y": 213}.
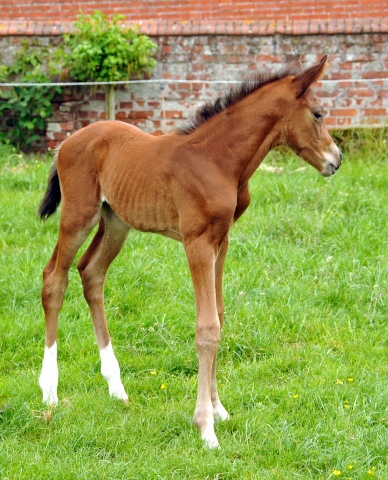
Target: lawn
{"x": 303, "y": 359}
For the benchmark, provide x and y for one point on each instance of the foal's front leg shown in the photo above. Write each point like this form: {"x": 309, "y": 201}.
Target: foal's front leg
{"x": 201, "y": 257}
{"x": 218, "y": 409}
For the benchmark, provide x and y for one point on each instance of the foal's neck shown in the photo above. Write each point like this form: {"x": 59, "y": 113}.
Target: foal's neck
{"x": 240, "y": 137}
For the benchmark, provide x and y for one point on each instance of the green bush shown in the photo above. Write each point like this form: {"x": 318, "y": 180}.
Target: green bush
{"x": 104, "y": 50}
{"x": 101, "y": 50}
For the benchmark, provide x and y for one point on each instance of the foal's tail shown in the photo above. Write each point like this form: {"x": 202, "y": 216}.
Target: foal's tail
{"x": 52, "y": 196}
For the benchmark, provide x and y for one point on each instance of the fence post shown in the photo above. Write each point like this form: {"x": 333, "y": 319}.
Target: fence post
{"x": 110, "y": 102}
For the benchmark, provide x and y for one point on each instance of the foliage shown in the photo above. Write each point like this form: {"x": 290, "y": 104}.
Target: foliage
{"x": 303, "y": 355}
{"x": 103, "y": 50}
{"x": 26, "y": 108}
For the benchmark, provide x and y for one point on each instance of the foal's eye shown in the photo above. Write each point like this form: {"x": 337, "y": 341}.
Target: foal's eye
{"x": 318, "y": 116}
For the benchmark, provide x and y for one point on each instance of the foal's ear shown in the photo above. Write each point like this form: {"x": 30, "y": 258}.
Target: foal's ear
{"x": 294, "y": 66}
{"x": 309, "y": 76}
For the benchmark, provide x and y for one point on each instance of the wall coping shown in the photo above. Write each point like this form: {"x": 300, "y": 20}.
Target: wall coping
{"x": 211, "y": 27}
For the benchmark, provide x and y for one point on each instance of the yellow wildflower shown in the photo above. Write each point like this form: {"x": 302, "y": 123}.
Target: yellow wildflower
{"x": 350, "y": 467}
{"x": 350, "y": 379}
{"x": 336, "y": 473}
{"x": 153, "y": 372}
{"x": 296, "y": 396}
{"x": 340, "y": 382}
{"x": 163, "y": 386}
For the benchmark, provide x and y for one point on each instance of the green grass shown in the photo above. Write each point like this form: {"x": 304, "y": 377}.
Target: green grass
{"x": 303, "y": 361}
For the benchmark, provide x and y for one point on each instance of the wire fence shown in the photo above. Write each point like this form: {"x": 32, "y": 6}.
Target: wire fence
{"x": 162, "y": 81}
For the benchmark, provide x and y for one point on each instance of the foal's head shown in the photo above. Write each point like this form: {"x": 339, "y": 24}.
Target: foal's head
{"x": 303, "y": 128}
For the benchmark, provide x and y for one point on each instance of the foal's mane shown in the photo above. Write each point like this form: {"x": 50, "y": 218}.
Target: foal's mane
{"x": 234, "y": 95}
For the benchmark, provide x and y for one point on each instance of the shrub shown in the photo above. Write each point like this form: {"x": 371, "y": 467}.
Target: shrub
{"x": 104, "y": 50}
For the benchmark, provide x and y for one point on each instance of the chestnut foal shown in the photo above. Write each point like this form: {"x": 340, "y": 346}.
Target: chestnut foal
{"x": 190, "y": 185}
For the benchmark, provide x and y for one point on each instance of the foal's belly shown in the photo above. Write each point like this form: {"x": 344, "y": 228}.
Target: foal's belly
{"x": 148, "y": 213}
{"x": 142, "y": 196}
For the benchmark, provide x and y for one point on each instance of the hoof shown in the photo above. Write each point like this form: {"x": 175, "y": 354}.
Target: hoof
{"x": 211, "y": 442}
{"x": 116, "y": 390}
{"x": 220, "y": 413}
{"x": 209, "y": 438}
{"x": 50, "y": 399}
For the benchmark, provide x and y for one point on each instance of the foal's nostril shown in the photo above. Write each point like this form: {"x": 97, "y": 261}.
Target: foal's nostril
{"x": 334, "y": 166}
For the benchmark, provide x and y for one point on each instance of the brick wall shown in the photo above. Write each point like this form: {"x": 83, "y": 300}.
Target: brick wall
{"x": 197, "y": 9}
{"x": 205, "y": 58}
{"x": 354, "y": 90}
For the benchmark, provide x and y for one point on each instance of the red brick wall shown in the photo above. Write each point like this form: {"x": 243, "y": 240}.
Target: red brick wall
{"x": 354, "y": 93}
{"x": 197, "y": 9}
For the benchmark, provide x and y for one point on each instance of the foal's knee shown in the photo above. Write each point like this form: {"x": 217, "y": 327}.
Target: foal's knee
{"x": 207, "y": 337}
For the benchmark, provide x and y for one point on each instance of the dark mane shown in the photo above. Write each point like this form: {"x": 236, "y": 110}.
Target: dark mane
{"x": 235, "y": 94}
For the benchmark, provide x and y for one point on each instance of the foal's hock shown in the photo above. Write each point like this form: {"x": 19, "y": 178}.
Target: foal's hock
{"x": 190, "y": 185}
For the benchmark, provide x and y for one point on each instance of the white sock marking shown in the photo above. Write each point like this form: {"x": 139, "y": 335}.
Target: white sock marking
{"x": 48, "y": 379}
{"x": 110, "y": 370}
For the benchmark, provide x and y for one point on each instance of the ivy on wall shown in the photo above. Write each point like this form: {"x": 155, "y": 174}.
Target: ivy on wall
{"x": 26, "y": 109}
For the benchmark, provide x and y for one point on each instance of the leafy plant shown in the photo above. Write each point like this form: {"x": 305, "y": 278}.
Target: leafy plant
{"x": 104, "y": 50}
{"x": 26, "y": 109}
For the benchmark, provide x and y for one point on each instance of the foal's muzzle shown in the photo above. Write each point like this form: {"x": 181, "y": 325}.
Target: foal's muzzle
{"x": 333, "y": 160}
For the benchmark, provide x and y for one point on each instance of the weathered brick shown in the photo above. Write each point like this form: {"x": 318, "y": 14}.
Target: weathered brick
{"x": 371, "y": 112}
{"x": 360, "y": 93}
{"x": 127, "y": 105}
{"x": 121, "y": 115}
{"x": 60, "y": 136}
{"x": 69, "y": 126}
{"x": 174, "y": 114}
{"x": 142, "y": 114}
{"x": 343, "y": 112}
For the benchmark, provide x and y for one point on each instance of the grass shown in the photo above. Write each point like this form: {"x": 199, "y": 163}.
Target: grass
{"x": 303, "y": 361}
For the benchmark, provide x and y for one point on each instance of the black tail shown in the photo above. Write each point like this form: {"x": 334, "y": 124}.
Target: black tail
{"x": 52, "y": 196}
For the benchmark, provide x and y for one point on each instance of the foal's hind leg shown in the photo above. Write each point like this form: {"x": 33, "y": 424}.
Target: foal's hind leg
{"x": 73, "y": 231}
{"x": 93, "y": 266}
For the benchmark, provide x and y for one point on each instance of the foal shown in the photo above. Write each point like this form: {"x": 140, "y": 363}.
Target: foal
{"x": 190, "y": 185}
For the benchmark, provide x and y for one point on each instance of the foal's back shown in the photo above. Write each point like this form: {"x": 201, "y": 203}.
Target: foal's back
{"x": 150, "y": 182}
